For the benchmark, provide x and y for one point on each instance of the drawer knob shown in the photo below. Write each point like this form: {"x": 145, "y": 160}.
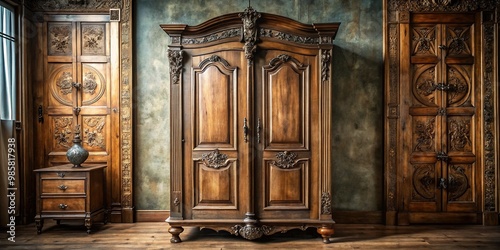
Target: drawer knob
{"x": 63, "y": 187}
{"x": 63, "y": 206}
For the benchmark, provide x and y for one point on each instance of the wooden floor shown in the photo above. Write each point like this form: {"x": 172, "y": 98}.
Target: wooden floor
{"x": 73, "y": 235}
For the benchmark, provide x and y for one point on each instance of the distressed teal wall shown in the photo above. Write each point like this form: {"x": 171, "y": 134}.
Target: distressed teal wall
{"x": 357, "y": 167}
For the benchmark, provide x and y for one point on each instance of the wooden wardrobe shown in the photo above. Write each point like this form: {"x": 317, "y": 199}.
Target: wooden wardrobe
{"x": 251, "y": 125}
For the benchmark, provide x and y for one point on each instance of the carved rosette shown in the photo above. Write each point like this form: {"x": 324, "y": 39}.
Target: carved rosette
{"x": 89, "y": 83}
{"x": 175, "y": 59}
{"x": 249, "y": 18}
{"x": 65, "y": 83}
{"x": 214, "y": 159}
{"x": 286, "y": 160}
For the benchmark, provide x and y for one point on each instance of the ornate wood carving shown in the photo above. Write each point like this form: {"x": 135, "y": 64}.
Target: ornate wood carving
{"x": 286, "y": 160}
{"x": 214, "y": 159}
{"x": 249, "y": 18}
{"x": 69, "y": 5}
{"x": 263, "y": 32}
{"x": 425, "y": 133}
{"x": 489, "y": 117}
{"x": 65, "y": 83}
{"x": 325, "y": 65}
{"x": 442, "y": 5}
{"x": 326, "y": 203}
{"x": 458, "y": 183}
{"x": 235, "y": 32}
{"x": 126, "y": 101}
{"x": 458, "y": 85}
{"x": 424, "y": 41}
{"x": 60, "y": 38}
{"x": 93, "y": 40}
{"x": 62, "y": 132}
{"x": 89, "y": 83}
{"x": 93, "y": 132}
{"x": 459, "y": 134}
{"x": 175, "y": 59}
{"x": 424, "y": 183}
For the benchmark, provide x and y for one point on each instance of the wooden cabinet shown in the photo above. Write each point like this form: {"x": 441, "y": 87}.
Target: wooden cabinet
{"x": 65, "y": 192}
{"x": 250, "y": 125}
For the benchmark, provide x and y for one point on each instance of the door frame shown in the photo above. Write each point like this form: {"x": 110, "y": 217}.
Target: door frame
{"x": 396, "y": 16}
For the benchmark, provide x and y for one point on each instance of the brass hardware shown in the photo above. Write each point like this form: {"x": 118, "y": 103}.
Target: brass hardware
{"x": 245, "y": 129}
{"x": 442, "y": 47}
{"x": 442, "y": 156}
{"x": 76, "y": 85}
{"x": 258, "y": 130}
{"x": 40, "y": 114}
{"x": 443, "y": 87}
{"x": 442, "y": 183}
{"x": 63, "y": 206}
{"x": 61, "y": 174}
{"x": 77, "y": 110}
{"x": 63, "y": 187}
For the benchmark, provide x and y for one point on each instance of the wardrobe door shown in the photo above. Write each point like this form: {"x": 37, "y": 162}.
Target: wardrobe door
{"x": 217, "y": 151}
{"x": 287, "y": 132}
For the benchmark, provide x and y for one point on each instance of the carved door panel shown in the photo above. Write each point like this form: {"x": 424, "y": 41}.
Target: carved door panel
{"x": 442, "y": 165}
{"x": 77, "y": 88}
{"x": 217, "y": 148}
{"x": 286, "y": 135}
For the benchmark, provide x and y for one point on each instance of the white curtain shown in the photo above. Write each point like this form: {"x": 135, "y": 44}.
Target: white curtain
{"x": 7, "y": 112}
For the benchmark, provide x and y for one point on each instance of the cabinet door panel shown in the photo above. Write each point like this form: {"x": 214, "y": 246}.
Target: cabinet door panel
{"x": 286, "y": 104}
{"x": 285, "y": 163}
{"x": 217, "y": 164}
{"x": 215, "y": 105}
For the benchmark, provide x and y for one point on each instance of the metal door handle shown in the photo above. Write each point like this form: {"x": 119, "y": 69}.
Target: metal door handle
{"x": 245, "y": 130}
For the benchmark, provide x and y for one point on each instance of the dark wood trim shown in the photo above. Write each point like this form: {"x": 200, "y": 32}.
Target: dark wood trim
{"x": 151, "y": 215}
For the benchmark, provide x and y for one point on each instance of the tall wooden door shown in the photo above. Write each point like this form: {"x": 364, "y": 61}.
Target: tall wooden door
{"x": 442, "y": 170}
{"x": 287, "y": 134}
{"x": 78, "y": 90}
{"x": 217, "y": 148}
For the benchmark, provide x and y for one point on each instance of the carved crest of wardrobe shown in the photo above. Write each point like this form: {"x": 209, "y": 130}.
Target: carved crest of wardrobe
{"x": 250, "y": 125}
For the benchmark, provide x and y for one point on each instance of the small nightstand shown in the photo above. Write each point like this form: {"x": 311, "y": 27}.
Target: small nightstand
{"x": 64, "y": 192}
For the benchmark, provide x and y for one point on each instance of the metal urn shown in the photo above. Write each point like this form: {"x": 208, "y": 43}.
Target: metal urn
{"x": 77, "y": 154}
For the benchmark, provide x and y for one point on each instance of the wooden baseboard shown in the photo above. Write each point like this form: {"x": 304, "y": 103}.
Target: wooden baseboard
{"x": 151, "y": 215}
{"x": 341, "y": 217}
{"x": 358, "y": 217}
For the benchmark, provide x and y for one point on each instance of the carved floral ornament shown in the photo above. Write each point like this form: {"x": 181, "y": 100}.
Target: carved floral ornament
{"x": 442, "y": 5}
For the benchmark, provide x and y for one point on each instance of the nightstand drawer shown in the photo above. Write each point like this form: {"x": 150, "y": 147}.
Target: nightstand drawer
{"x": 58, "y": 186}
{"x": 61, "y": 174}
{"x": 63, "y": 204}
